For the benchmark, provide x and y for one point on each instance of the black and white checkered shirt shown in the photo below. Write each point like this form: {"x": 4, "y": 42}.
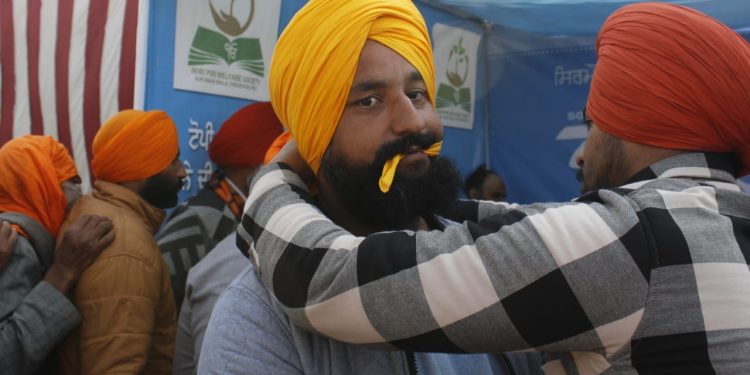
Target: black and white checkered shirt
{"x": 651, "y": 277}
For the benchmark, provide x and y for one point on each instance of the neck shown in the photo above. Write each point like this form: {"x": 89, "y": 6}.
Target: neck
{"x": 134, "y": 186}
{"x": 639, "y": 157}
{"x": 239, "y": 177}
{"x": 329, "y": 203}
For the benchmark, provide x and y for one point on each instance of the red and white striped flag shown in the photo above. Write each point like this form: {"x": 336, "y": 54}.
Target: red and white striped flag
{"x": 66, "y": 66}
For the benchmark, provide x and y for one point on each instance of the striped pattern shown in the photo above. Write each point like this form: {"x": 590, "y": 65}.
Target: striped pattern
{"x": 65, "y": 66}
{"x": 190, "y": 232}
{"x": 638, "y": 279}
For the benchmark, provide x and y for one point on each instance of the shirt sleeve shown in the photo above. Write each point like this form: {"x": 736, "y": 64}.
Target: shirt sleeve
{"x": 184, "y": 351}
{"x": 36, "y": 316}
{"x": 41, "y": 322}
{"x": 553, "y": 277}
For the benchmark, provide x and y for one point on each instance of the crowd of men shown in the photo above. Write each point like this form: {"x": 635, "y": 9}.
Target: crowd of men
{"x": 348, "y": 252}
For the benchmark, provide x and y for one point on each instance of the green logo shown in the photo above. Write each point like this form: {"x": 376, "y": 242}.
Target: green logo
{"x": 457, "y": 71}
{"x": 210, "y": 47}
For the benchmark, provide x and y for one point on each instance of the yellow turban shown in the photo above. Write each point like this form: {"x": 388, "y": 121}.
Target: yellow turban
{"x": 134, "y": 145}
{"x": 316, "y": 57}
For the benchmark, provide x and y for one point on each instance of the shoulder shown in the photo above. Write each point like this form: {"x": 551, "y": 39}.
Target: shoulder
{"x": 246, "y": 290}
{"x": 23, "y": 271}
{"x": 204, "y": 199}
{"x": 246, "y": 303}
{"x": 220, "y": 266}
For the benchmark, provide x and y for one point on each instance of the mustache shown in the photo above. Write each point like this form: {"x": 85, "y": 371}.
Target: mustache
{"x": 402, "y": 146}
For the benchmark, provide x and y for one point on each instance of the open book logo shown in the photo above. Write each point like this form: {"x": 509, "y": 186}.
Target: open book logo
{"x": 211, "y": 47}
{"x": 453, "y": 94}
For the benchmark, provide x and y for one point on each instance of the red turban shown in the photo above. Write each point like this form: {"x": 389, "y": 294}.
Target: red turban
{"x": 33, "y": 167}
{"x": 671, "y": 77}
{"x": 243, "y": 139}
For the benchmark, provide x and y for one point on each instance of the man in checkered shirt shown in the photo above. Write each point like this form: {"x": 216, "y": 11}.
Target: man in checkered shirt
{"x": 645, "y": 273}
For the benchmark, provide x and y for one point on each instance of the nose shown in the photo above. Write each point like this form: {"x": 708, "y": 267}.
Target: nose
{"x": 181, "y": 173}
{"x": 405, "y": 117}
{"x": 579, "y": 158}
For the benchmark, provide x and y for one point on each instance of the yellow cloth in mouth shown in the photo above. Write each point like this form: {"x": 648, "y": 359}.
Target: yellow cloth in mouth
{"x": 389, "y": 169}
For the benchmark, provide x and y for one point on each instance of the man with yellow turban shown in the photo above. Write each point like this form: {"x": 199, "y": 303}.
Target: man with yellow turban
{"x": 125, "y": 298}
{"x": 39, "y": 181}
{"x": 646, "y": 272}
{"x": 353, "y": 81}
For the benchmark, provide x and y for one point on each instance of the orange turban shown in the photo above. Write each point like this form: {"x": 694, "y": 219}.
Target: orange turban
{"x": 669, "y": 76}
{"x": 276, "y": 146}
{"x": 316, "y": 57}
{"x": 134, "y": 145}
{"x": 244, "y": 138}
{"x": 33, "y": 167}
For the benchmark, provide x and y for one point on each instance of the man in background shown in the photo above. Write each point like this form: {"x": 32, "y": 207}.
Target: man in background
{"x": 485, "y": 184}
{"x": 39, "y": 182}
{"x": 198, "y": 224}
{"x": 125, "y": 298}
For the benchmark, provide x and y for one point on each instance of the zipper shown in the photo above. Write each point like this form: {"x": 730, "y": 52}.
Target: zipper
{"x": 411, "y": 362}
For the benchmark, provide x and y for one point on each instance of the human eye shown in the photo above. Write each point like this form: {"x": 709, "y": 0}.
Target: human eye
{"x": 417, "y": 95}
{"x": 586, "y": 120}
{"x": 368, "y": 102}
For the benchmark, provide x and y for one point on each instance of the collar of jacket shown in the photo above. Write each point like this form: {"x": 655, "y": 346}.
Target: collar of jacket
{"x": 127, "y": 199}
{"x": 720, "y": 167}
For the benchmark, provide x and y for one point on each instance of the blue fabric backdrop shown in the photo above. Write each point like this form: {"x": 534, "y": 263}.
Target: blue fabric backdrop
{"x": 196, "y": 114}
{"x": 532, "y": 86}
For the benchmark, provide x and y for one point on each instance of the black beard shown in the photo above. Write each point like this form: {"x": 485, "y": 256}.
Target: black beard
{"x": 161, "y": 191}
{"x": 411, "y": 196}
{"x": 610, "y": 174}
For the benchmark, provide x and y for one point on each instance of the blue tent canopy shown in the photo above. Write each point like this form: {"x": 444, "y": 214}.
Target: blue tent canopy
{"x": 578, "y": 17}
{"x": 534, "y": 65}
{"x": 534, "y": 124}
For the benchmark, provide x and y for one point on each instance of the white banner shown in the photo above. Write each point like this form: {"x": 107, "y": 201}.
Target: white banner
{"x": 224, "y": 47}
{"x": 456, "y": 57}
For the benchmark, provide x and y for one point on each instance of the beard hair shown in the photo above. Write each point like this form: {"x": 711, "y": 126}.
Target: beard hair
{"x": 410, "y": 195}
{"x": 610, "y": 173}
{"x": 161, "y": 191}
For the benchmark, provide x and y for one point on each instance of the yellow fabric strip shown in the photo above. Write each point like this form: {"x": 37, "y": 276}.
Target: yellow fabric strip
{"x": 389, "y": 169}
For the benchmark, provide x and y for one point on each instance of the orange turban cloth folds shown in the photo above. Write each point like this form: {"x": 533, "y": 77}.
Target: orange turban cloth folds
{"x": 243, "y": 139}
{"x": 134, "y": 145}
{"x": 672, "y": 77}
{"x": 276, "y": 146}
{"x": 32, "y": 168}
{"x": 316, "y": 57}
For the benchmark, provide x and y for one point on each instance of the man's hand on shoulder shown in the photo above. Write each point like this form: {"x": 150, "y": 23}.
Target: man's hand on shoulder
{"x": 81, "y": 244}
